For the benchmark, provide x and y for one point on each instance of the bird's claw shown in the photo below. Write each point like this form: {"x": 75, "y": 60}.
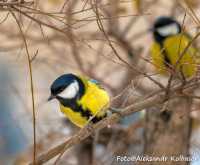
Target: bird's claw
{"x": 117, "y": 111}
{"x": 90, "y": 129}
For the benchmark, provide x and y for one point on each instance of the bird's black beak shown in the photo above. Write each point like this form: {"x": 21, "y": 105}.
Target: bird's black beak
{"x": 51, "y": 97}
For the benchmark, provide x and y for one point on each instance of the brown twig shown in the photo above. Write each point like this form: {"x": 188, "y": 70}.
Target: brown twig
{"x": 31, "y": 86}
{"x": 101, "y": 28}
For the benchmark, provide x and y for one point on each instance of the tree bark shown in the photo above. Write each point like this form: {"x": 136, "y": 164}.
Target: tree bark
{"x": 85, "y": 152}
{"x": 168, "y": 133}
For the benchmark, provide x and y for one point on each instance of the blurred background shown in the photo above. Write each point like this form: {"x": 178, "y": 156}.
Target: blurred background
{"x": 64, "y": 36}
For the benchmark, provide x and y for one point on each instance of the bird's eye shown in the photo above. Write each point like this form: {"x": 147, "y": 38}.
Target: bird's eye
{"x": 61, "y": 89}
{"x": 57, "y": 90}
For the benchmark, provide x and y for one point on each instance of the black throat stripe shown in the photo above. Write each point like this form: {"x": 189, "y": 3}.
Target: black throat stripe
{"x": 86, "y": 113}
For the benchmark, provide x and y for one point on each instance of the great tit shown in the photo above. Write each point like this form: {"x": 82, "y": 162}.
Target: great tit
{"x": 81, "y": 99}
{"x": 169, "y": 45}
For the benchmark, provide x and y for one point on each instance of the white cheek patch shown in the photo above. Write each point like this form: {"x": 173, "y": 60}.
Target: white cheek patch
{"x": 71, "y": 91}
{"x": 171, "y": 29}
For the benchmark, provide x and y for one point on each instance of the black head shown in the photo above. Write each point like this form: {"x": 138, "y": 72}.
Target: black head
{"x": 67, "y": 87}
{"x": 165, "y": 27}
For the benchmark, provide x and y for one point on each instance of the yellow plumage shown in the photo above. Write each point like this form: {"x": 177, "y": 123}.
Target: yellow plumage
{"x": 95, "y": 100}
{"x": 173, "y": 47}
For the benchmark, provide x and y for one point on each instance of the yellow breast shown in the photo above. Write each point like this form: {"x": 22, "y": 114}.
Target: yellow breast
{"x": 74, "y": 117}
{"x": 95, "y": 99}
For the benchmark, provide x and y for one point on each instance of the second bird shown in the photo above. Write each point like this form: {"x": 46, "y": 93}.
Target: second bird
{"x": 169, "y": 51}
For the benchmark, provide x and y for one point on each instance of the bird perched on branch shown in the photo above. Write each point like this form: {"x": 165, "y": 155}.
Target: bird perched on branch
{"x": 169, "y": 51}
{"x": 81, "y": 99}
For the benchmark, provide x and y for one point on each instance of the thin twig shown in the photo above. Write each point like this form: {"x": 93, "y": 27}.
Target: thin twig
{"x": 101, "y": 27}
{"x": 31, "y": 86}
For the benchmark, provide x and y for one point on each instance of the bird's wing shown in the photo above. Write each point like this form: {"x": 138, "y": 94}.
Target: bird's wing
{"x": 175, "y": 46}
{"x": 94, "y": 81}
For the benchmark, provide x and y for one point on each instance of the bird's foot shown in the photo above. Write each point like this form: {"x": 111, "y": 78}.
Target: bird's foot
{"x": 115, "y": 110}
{"x": 90, "y": 129}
